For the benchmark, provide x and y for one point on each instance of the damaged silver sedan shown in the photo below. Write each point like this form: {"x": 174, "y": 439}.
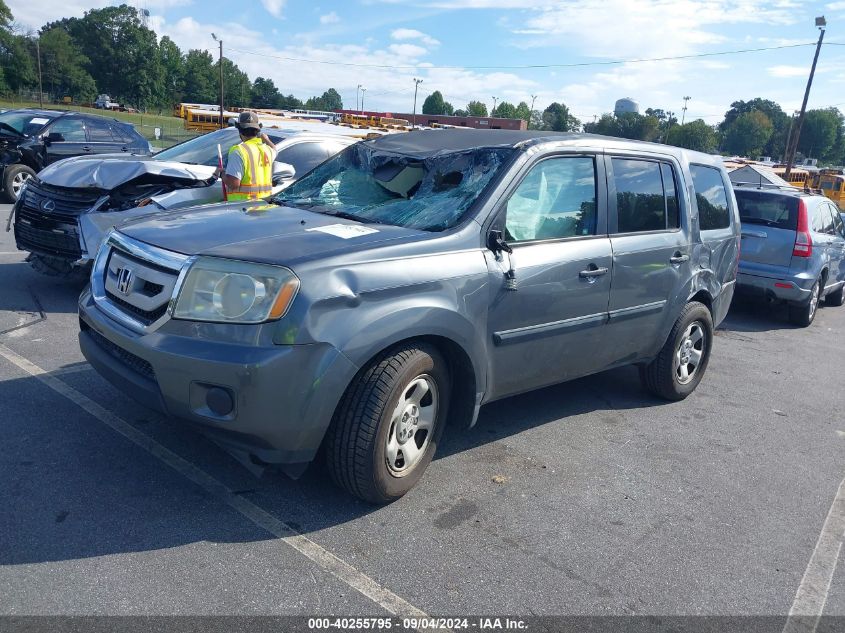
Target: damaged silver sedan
{"x": 65, "y": 213}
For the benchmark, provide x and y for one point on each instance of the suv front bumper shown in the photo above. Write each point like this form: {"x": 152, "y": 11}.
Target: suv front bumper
{"x": 283, "y": 397}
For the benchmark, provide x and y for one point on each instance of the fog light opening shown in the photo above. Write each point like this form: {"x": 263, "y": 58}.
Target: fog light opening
{"x": 219, "y": 401}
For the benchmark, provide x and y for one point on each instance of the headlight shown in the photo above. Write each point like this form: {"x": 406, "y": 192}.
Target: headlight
{"x": 231, "y": 291}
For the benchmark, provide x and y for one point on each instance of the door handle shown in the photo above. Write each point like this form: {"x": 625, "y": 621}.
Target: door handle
{"x": 592, "y": 272}
{"x": 678, "y": 258}
{"x": 124, "y": 149}
{"x": 86, "y": 148}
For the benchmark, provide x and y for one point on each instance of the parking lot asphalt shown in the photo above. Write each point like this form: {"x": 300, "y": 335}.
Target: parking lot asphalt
{"x": 590, "y": 497}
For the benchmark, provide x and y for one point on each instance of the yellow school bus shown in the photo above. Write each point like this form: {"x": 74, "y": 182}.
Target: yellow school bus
{"x": 833, "y": 186}
{"x": 797, "y": 177}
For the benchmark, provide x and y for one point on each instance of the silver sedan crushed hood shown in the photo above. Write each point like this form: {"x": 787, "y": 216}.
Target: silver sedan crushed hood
{"x": 109, "y": 171}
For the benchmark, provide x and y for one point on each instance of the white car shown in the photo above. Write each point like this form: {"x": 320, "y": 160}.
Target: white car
{"x": 64, "y": 214}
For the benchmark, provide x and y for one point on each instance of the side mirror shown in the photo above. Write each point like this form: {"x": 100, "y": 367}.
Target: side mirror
{"x": 496, "y": 243}
{"x": 282, "y": 172}
{"x": 54, "y": 137}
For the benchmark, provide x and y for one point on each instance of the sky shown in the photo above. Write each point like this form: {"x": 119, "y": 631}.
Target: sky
{"x": 481, "y": 49}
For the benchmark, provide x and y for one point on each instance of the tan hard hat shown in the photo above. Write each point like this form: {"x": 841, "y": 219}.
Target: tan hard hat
{"x": 248, "y": 121}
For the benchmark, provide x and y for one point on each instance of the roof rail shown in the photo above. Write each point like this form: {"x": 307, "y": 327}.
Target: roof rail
{"x": 769, "y": 185}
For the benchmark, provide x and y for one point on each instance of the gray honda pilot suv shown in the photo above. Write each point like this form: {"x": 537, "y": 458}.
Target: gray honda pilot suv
{"x": 406, "y": 282}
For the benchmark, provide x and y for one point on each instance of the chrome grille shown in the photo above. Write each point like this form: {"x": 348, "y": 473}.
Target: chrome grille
{"x": 134, "y": 282}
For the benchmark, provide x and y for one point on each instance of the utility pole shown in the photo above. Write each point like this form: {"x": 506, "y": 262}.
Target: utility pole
{"x": 821, "y": 23}
{"x": 222, "y": 122}
{"x": 40, "y": 86}
{"x": 789, "y": 135}
{"x": 363, "y": 90}
{"x": 357, "y": 91}
{"x": 684, "y": 113}
{"x": 417, "y": 83}
{"x": 493, "y": 112}
{"x": 531, "y": 115}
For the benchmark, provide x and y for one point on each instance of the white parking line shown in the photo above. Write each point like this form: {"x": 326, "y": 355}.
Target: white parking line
{"x": 340, "y": 569}
{"x": 811, "y": 596}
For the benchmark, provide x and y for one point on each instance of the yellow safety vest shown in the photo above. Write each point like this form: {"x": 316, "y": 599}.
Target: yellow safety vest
{"x": 257, "y": 181}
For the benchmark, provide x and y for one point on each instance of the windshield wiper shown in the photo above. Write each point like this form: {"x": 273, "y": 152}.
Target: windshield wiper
{"x": 351, "y": 216}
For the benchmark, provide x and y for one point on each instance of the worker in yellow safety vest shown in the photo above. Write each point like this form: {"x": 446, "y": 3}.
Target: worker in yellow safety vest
{"x": 249, "y": 171}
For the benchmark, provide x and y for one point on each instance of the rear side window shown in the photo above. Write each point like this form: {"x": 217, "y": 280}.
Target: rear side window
{"x": 712, "y": 199}
{"x": 823, "y": 220}
{"x": 642, "y": 203}
{"x": 122, "y": 133}
{"x": 838, "y": 224}
{"x": 769, "y": 209}
{"x": 99, "y": 131}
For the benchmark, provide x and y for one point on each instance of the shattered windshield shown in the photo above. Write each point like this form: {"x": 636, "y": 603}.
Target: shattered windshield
{"x": 431, "y": 194}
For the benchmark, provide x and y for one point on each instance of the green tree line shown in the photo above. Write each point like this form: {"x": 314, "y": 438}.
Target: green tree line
{"x": 111, "y": 51}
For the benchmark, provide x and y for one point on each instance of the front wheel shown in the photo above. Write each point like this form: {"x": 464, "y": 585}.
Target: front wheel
{"x": 14, "y": 180}
{"x": 803, "y": 315}
{"x": 682, "y": 361}
{"x": 386, "y": 427}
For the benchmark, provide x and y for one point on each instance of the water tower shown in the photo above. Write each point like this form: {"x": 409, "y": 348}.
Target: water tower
{"x": 626, "y": 105}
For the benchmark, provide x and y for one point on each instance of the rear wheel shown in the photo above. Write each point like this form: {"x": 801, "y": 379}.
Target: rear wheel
{"x": 803, "y": 315}
{"x": 681, "y": 364}
{"x": 13, "y": 181}
{"x": 386, "y": 428}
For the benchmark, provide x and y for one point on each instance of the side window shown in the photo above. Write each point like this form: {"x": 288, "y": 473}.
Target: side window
{"x": 121, "y": 134}
{"x": 99, "y": 131}
{"x": 673, "y": 209}
{"x": 838, "y": 224}
{"x": 303, "y": 156}
{"x": 72, "y": 129}
{"x": 640, "y": 201}
{"x": 557, "y": 198}
{"x": 712, "y": 199}
{"x": 829, "y": 221}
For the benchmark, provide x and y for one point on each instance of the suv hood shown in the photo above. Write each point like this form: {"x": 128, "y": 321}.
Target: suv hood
{"x": 259, "y": 232}
{"x": 108, "y": 171}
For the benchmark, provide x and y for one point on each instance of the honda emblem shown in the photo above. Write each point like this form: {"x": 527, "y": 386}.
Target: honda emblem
{"x": 124, "y": 280}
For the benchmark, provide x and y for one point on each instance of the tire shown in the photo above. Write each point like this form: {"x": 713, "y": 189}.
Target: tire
{"x": 57, "y": 267}
{"x": 666, "y": 376}
{"x": 366, "y": 444}
{"x": 13, "y": 179}
{"x": 836, "y": 299}
{"x": 803, "y": 315}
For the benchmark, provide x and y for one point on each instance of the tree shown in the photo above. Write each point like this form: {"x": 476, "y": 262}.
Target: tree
{"x": 63, "y": 67}
{"x": 201, "y": 84}
{"x": 17, "y": 68}
{"x": 476, "y": 108}
{"x": 172, "y": 64}
{"x": 775, "y": 144}
{"x": 695, "y": 135}
{"x": 819, "y": 132}
{"x": 523, "y": 111}
{"x": 237, "y": 89}
{"x": 505, "y": 110}
{"x": 748, "y": 134}
{"x": 558, "y": 118}
{"x": 289, "y": 103}
{"x": 328, "y": 102}
{"x": 434, "y": 104}
{"x": 460, "y": 112}
{"x": 626, "y": 125}
{"x": 264, "y": 94}
{"x": 122, "y": 53}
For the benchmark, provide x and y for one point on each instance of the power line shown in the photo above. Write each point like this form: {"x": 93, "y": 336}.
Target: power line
{"x": 529, "y": 66}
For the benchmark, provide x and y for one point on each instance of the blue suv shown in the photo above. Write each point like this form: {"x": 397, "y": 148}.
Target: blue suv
{"x": 793, "y": 249}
